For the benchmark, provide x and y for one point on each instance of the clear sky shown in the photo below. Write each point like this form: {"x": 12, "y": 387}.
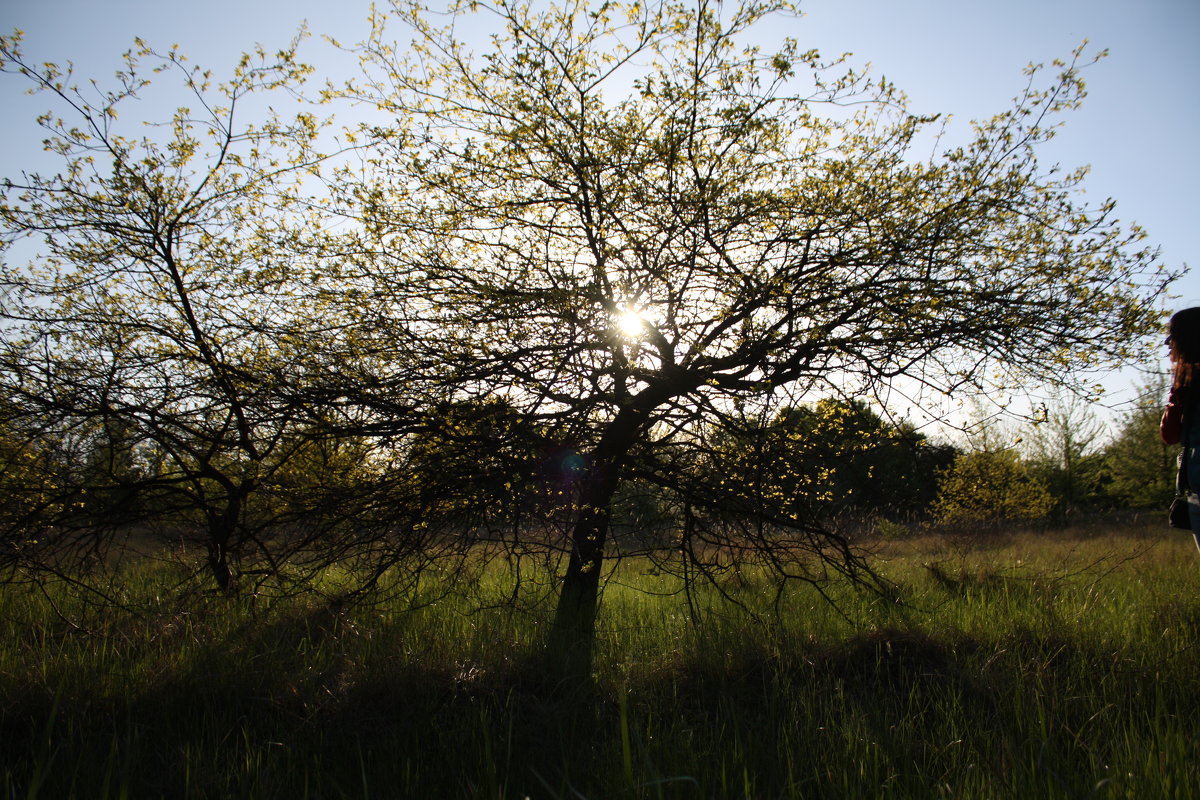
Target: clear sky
{"x": 1138, "y": 128}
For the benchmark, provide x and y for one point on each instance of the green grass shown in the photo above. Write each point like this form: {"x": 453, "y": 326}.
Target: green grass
{"x": 1060, "y": 666}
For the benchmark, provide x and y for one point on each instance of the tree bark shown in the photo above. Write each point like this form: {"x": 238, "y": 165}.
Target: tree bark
{"x": 220, "y": 531}
{"x": 573, "y": 633}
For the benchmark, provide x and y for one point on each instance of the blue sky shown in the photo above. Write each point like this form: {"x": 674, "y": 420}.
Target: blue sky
{"x": 1138, "y": 127}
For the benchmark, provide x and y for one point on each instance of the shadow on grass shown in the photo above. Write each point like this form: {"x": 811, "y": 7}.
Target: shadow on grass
{"x": 315, "y": 705}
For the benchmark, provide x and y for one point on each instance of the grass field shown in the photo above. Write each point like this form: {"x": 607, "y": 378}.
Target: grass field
{"x": 1055, "y": 666}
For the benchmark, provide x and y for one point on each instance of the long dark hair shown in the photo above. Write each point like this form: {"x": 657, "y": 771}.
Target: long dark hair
{"x": 1183, "y": 337}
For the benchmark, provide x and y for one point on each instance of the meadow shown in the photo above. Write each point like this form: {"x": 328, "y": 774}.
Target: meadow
{"x": 1051, "y": 665}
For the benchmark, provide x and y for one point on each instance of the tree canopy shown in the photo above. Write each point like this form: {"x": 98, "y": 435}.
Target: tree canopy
{"x": 762, "y": 212}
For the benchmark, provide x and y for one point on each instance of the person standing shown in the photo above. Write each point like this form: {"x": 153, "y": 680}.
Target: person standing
{"x": 1179, "y": 420}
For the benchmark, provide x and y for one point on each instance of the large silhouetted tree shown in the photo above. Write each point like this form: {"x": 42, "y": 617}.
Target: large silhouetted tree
{"x": 631, "y": 223}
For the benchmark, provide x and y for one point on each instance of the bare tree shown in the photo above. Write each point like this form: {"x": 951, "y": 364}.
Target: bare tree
{"x": 1065, "y": 443}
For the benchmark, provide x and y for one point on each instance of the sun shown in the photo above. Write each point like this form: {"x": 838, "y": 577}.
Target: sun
{"x": 631, "y": 323}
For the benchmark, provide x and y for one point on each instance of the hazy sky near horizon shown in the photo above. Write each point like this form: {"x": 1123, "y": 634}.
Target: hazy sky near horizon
{"x": 1137, "y": 129}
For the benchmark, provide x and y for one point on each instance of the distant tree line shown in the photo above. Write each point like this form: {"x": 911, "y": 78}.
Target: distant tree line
{"x": 1067, "y": 466}
{"x": 479, "y": 466}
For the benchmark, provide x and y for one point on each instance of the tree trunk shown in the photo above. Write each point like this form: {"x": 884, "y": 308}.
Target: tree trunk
{"x": 218, "y": 561}
{"x": 573, "y": 632}
{"x": 220, "y": 531}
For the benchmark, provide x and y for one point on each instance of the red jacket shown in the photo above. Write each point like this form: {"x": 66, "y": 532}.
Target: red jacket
{"x": 1171, "y": 427}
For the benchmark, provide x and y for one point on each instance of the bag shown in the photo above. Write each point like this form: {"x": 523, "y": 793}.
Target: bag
{"x": 1179, "y": 515}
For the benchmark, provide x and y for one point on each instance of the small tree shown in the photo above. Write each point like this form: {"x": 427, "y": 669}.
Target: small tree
{"x": 169, "y": 301}
{"x": 832, "y": 458}
{"x": 988, "y": 487}
{"x": 1141, "y": 469}
{"x": 1064, "y": 450}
